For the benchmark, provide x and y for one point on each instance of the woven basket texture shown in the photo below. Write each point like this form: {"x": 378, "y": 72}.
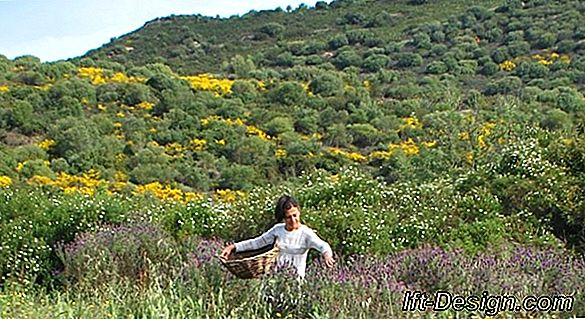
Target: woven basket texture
{"x": 251, "y": 263}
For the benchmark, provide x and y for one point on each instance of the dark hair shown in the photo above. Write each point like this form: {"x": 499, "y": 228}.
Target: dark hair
{"x": 284, "y": 203}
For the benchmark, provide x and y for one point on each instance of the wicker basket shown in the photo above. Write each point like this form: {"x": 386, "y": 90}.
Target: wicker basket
{"x": 251, "y": 263}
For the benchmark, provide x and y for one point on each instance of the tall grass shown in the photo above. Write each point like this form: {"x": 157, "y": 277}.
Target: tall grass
{"x": 182, "y": 279}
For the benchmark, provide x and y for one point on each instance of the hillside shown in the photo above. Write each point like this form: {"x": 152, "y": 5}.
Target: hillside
{"x": 195, "y": 44}
{"x": 398, "y": 124}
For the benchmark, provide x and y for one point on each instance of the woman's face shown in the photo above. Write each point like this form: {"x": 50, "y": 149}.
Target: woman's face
{"x": 292, "y": 218}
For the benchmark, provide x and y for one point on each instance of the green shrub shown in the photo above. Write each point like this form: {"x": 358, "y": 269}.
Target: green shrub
{"x": 347, "y": 58}
{"x": 327, "y": 84}
{"x": 531, "y": 70}
{"x": 138, "y": 254}
{"x": 34, "y": 221}
{"x": 556, "y": 119}
{"x": 375, "y": 62}
{"x": 437, "y": 67}
{"x": 272, "y": 29}
{"x": 338, "y": 41}
{"x": 406, "y": 60}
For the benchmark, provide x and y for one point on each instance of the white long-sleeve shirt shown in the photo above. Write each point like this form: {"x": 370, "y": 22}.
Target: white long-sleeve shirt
{"x": 294, "y": 245}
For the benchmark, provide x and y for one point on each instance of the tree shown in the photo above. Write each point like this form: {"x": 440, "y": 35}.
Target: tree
{"x": 375, "y": 62}
{"x": 347, "y": 58}
{"x": 364, "y": 135}
{"x": 31, "y": 78}
{"x": 531, "y": 70}
{"x": 421, "y": 40}
{"x": 27, "y": 62}
{"x": 381, "y": 19}
{"x": 518, "y": 48}
{"x": 306, "y": 121}
{"x": 279, "y": 125}
{"x": 240, "y": 66}
{"x": 338, "y": 41}
{"x": 500, "y": 54}
{"x": 337, "y": 136}
{"x": 489, "y": 68}
{"x": 556, "y": 119}
{"x": 249, "y": 151}
{"x": 358, "y": 36}
{"x": 239, "y": 177}
{"x": 245, "y": 90}
{"x": 437, "y": 67}
{"x": 321, "y": 5}
{"x": 506, "y": 85}
{"x": 354, "y": 18}
{"x": 327, "y": 84}
{"x": 21, "y": 117}
{"x": 288, "y": 93}
{"x": 272, "y": 29}
{"x": 546, "y": 40}
{"x": 79, "y": 141}
{"x": 408, "y": 59}
{"x": 135, "y": 93}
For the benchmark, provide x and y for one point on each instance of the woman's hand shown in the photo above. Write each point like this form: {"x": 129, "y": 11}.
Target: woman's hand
{"x": 227, "y": 251}
{"x": 329, "y": 261}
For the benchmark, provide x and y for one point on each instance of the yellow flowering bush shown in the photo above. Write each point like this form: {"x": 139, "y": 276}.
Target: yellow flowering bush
{"x": 551, "y": 58}
{"x": 367, "y": 84}
{"x": 258, "y": 132}
{"x": 5, "y": 181}
{"x": 198, "y": 144}
{"x": 485, "y": 132}
{"x": 46, "y": 144}
{"x": 207, "y": 82}
{"x": 96, "y": 75}
{"x": 229, "y": 196}
{"x": 469, "y": 157}
{"x": 410, "y": 122}
{"x": 123, "y": 78}
{"x": 429, "y": 144}
{"x": 356, "y": 157}
{"x": 315, "y": 136}
{"x": 409, "y": 147}
{"x": 166, "y": 192}
{"x": 384, "y": 155}
{"x": 250, "y": 129}
{"x": 464, "y": 136}
{"x": 507, "y": 66}
{"x": 145, "y": 105}
{"x": 174, "y": 149}
{"x": 87, "y": 183}
{"x": 280, "y": 153}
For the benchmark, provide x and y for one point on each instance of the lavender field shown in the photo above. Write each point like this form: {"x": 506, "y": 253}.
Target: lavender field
{"x": 140, "y": 271}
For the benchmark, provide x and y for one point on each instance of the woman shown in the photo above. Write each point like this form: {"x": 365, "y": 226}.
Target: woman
{"x": 293, "y": 238}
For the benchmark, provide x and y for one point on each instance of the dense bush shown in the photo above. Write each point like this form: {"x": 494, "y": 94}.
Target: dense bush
{"x": 137, "y": 254}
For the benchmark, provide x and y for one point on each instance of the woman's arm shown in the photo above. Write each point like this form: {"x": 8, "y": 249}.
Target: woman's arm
{"x": 313, "y": 241}
{"x": 255, "y": 243}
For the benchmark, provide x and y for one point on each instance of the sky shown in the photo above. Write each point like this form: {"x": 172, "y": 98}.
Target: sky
{"x": 60, "y": 29}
